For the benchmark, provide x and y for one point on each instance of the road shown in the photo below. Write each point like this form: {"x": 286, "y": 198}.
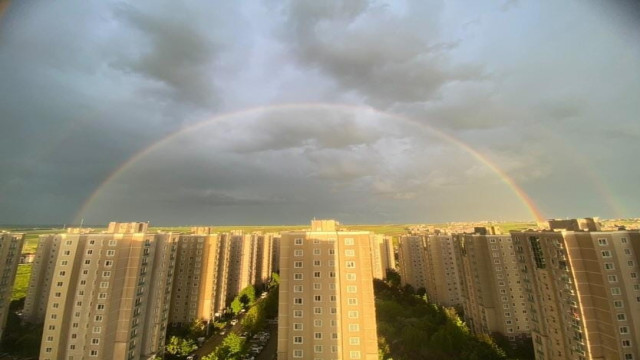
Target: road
{"x": 211, "y": 343}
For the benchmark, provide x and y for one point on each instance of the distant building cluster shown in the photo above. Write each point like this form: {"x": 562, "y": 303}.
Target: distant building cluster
{"x": 112, "y": 294}
{"x": 572, "y": 287}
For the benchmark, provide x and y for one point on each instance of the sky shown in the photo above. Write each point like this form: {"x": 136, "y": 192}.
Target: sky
{"x": 276, "y": 112}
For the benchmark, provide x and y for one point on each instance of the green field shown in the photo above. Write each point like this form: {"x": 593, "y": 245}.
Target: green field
{"x": 22, "y": 282}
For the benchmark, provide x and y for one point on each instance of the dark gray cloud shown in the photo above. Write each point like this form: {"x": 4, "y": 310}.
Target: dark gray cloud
{"x": 550, "y": 99}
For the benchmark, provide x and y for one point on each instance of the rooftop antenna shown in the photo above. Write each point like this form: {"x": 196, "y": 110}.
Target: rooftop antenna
{"x": 81, "y": 222}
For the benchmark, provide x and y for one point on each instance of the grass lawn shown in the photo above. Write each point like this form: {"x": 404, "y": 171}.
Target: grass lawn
{"x": 22, "y": 282}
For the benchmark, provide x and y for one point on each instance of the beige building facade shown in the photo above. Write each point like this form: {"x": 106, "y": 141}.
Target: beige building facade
{"x": 326, "y": 301}
{"x": 493, "y": 293}
{"x": 10, "y": 249}
{"x": 443, "y": 276}
{"x": 413, "y": 262}
{"x": 382, "y": 255}
{"x": 583, "y": 291}
{"x": 103, "y": 296}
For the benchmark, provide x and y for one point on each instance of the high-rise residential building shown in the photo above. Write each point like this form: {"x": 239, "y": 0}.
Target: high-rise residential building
{"x": 443, "y": 277}
{"x": 196, "y": 281}
{"x": 263, "y": 247}
{"x": 412, "y": 258}
{"x": 10, "y": 249}
{"x": 583, "y": 291}
{"x": 102, "y": 295}
{"x": 326, "y": 302}
{"x": 493, "y": 294}
{"x": 241, "y": 262}
{"x": 382, "y": 255}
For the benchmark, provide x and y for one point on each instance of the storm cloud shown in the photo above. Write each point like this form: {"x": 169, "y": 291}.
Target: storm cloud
{"x": 547, "y": 92}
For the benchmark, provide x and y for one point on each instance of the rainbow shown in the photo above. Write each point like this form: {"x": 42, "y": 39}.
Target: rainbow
{"x": 517, "y": 190}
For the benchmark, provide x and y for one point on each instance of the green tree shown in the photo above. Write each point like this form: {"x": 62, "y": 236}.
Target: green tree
{"x": 231, "y": 346}
{"x": 236, "y": 305}
{"x": 180, "y": 347}
{"x": 393, "y": 278}
{"x": 197, "y": 328}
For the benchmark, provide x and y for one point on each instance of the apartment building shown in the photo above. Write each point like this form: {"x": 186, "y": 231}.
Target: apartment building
{"x": 326, "y": 302}
{"x": 443, "y": 277}
{"x": 493, "y": 292}
{"x": 10, "y": 249}
{"x": 241, "y": 265}
{"x": 103, "y": 295}
{"x": 196, "y": 282}
{"x": 412, "y": 258}
{"x": 382, "y": 255}
{"x": 583, "y": 290}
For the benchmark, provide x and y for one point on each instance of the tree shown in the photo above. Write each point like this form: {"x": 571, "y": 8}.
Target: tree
{"x": 393, "y": 278}
{"x": 197, "y": 328}
{"x": 180, "y": 347}
{"x": 236, "y": 305}
{"x": 231, "y": 346}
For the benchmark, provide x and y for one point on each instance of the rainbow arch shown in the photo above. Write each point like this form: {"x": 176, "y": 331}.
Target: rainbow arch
{"x": 505, "y": 178}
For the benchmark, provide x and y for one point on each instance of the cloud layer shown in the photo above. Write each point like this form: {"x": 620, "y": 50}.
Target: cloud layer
{"x": 550, "y": 99}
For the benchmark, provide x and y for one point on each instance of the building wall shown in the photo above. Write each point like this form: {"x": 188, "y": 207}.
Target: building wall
{"x": 412, "y": 257}
{"x": 493, "y": 292}
{"x": 326, "y": 303}
{"x": 10, "y": 249}
{"x": 108, "y": 295}
{"x": 442, "y": 273}
{"x": 584, "y": 293}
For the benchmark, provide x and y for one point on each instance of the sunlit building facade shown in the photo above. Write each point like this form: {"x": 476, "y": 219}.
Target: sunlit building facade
{"x": 382, "y": 255}
{"x": 413, "y": 262}
{"x": 583, "y": 292}
{"x": 10, "y": 249}
{"x": 443, "y": 277}
{"x": 326, "y": 302}
{"x": 107, "y": 295}
{"x": 493, "y": 293}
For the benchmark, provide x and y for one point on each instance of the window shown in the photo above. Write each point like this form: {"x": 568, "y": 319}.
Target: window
{"x": 297, "y": 301}
{"x": 350, "y": 252}
{"x": 623, "y": 240}
{"x": 316, "y": 251}
{"x": 317, "y": 348}
{"x": 298, "y": 252}
{"x": 624, "y": 330}
{"x": 633, "y": 275}
{"x": 606, "y": 253}
{"x": 622, "y": 317}
{"x": 111, "y": 252}
{"x": 333, "y": 310}
{"x": 354, "y": 340}
{"x": 317, "y": 336}
{"x": 317, "y": 286}
{"x": 354, "y": 327}
{"x": 354, "y": 354}
{"x": 297, "y": 276}
{"x": 316, "y": 274}
{"x": 351, "y": 264}
{"x": 349, "y": 241}
{"x": 618, "y": 304}
{"x": 628, "y": 356}
{"x": 316, "y": 263}
{"x": 297, "y": 353}
{"x": 104, "y": 284}
{"x": 317, "y": 298}
{"x": 612, "y": 278}
{"x": 602, "y": 242}
{"x": 317, "y": 310}
{"x": 97, "y": 329}
{"x": 626, "y": 343}
{"x": 352, "y": 301}
{"x": 95, "y": 341}
{"x": 332, "y": 298}
{"x": 609, "y": 266}
{"x": 297, "y": 313}
{"x": 108, "y": 263}
{"x": 100, "y": 306}
{"x": 317, "y": 323}
{"x": 297, "y": 339}
{"x": 353, "y": 314}
{"x": 332, "y": 251}
{"x": 106, "y": 273}
{"x": 298, "y": 241}
{"x": 87, "y": 262}
{"x": 297, "y": 326}
{"x": 615, "y": 291}
{"x": 297, "y": 264}
{"x": 332, "y": 274}
{"x": 352, "y": 289}
{"x": 98, "y": 318}
{"x": 630, "y": 262}
{"x": 297, "y": 288}
{"x": 351, "y": 276}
